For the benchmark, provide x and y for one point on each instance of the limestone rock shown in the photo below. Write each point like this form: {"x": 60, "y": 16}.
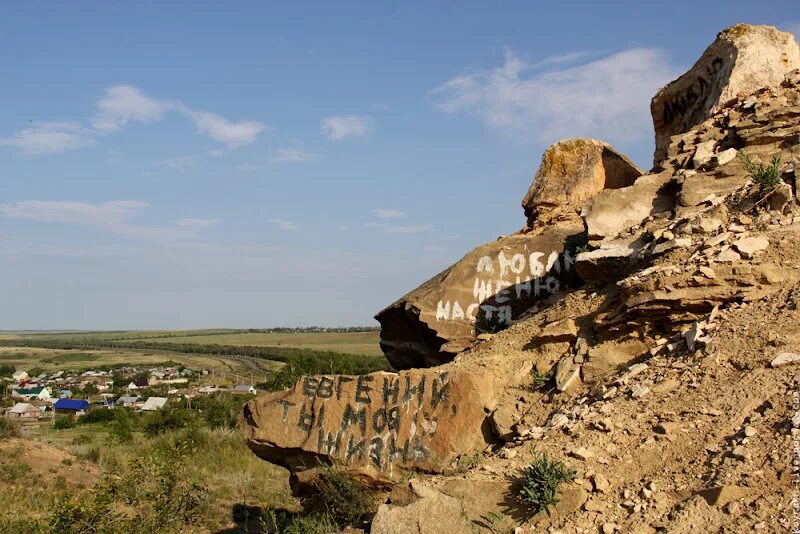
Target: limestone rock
{"x": 378, "y": 425}
{"x": 573, "y": 171}
{"x": 605, "y": 265}
{"x": 741, "y": 60}
{"x": 426, "y": 515}
{"x": 748, "y": 246}
{"x": 721, "y": 495}
{"x": 785, "y": 358}
{"x": 604, "y": 359}
{"x": 563, "y": 330}
{"x": 503, "y": 419}
{"x": 704, "y": 153}
{"x": 615, "y": 210}
{"x": 486, "y": 290}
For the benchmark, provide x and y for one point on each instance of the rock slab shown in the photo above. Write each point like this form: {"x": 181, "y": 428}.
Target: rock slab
{"x": 378, "y": 425}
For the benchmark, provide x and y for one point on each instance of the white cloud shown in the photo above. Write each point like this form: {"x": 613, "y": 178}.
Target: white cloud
{"x": 180, "y": 163}
{"x": 383, "y": 213}
{"x": 607, "y": 97}
{"x": 283, "y": 224}
{"x": 124, "y": 103}
{"x": 49, "y": 137}
{"x": 232, "y": 134}
{"x": 337, "y": 128}
{"x": 293, "y": 155}
{"x": 111, "y": 216}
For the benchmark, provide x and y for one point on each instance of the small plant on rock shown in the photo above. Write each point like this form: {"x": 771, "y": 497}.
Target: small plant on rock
{"x": 542, "y": 378}
{"x": 768, "y": 177}
{"x": 541, "y": 479}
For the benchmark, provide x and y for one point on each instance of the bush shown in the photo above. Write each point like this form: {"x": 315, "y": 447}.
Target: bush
{"x": 164, "y": 420}
{"x": 541, "y": 479}
{"x": 220, "y": 411}
{"x": 283, "y": 522}
{"x": 768, "y": 177}
{"x": 343, "y": 499}
{"x": 64, "y": 422}
{"x": 9, "y": 428}
{"x": 101, "y": 415}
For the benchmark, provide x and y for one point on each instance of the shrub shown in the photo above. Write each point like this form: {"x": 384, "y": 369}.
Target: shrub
{"x": 343, "y": 499}
{"x": 162, "y": 421}
{"x": 768, "y": 177}
{"x": 541, "y": 379}
{"x": 220, "y": 411}
{"x": 283, "y": 522}
{"x": 541, "y": 479}
{"x": 9, "y": 428}
{"x": 64, "y": 422}
{"x": 101, "y": 415}
{"x": 121, "y": 428}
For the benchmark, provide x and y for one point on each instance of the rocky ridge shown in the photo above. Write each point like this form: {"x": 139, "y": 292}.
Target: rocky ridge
{"x": 669, "y": 343}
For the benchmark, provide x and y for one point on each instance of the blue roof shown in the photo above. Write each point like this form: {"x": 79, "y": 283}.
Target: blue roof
{"x": 70, "y": 404}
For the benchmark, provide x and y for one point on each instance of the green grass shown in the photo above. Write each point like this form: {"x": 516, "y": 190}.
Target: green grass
{"x": 541, "y": 479}
{"x": 768, "y": 177}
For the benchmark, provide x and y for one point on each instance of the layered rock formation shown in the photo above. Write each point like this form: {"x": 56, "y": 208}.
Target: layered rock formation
{"x": 741, "y": 60}
{"x": 494, "y": 284}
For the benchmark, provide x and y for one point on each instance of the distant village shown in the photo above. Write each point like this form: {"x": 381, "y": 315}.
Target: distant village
{"x": 75, "y": 393}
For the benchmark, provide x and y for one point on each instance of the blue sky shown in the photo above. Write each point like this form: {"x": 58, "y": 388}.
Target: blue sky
{"x": 253, "y": 164}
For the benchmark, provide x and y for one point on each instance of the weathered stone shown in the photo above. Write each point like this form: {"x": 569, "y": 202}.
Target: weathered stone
{"x": 785, "y": 358}
{"x": 741, "y": 60}
{"x": 478, "y": 497}
{"x": 378, "y": 425}
{"x": 728, "y": 256}
{"x": 570, "y": 379}
{"x": 748, "y": 246}
{"x": 605, "y": 264}
{"x": 563, "y": 330}
{"x": 703, "y": 154}
{"x": 725, "y": 157}
{"x": 503, "y": 419}
{"x": 573, "y": 171}
{"x": 604, "y": 359}
{"x": 612, "y": 211}
{"x": 695, "y": 190}
{"x": 485, "y": 291}
{"x": 780, "y": 197}
{"x": 426, "y": 515}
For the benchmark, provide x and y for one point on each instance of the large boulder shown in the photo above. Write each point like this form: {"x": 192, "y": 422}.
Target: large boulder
{"x": 378, "y": 426}
{"x": 573, "y": 171}
{"x": 483, "y": 292}
{"x": 741, "y": 60}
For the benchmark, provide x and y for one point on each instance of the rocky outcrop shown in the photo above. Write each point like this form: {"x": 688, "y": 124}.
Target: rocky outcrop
{"x": 487, "y": 290}
{"x": 573, "y": 171}
{"x": 741, "y": 60}
{"x": 379, "y": 425}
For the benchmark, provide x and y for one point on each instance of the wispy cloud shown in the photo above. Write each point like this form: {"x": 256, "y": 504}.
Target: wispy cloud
{"x": 232, "y": 134}
{"x": 248, "y": 167}
{"x": 112, "y": 216}
{"x": 49, "y": 137}
{"x": 293, "y": 155}
{"x": 384, "y": 213}
{"x": 180, "y": 163}
{"x": 124, "y": 104}
{"x": 283, "y": 224}
{"x": 608, "y": 97}
{"x": 337, "y": 128}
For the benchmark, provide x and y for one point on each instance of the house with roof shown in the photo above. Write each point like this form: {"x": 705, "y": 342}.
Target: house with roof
{"x": 20, "y": 376}
{"x": 243, "y": 390}
{"x": 39, "y": 393}
{"x": 24, "y": 411}
{"x": 154, "y": 403}
{"x": 71, "y": 406}
{"x": 128, "y": 402}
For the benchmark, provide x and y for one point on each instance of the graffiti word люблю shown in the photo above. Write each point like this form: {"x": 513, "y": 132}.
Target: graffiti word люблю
{"x": 504, "y": 280}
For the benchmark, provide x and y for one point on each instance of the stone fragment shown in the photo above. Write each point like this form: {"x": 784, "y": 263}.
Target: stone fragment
{"x": 426, "y": 515}
{"x": 604, "y": 359}
{"x": 703, "y": 154}
{"x": 573, "y": 171}
{"x": 748, "y": 246}
{"x": 708, "y": 272}
{"x": 728, "y": 256}
{"x": 581, "y": 453}
{"x": 785, "y": 358}
{"x": 378, "y": 425}
{"x": 725, "y": 157}
{"x": 600, "y": 483}
{"x": 605, "y": 265}
{"x": 780, "y": 197}
{"x": 750, "y": 431}
{"x": 741, "y": 60}
{"x": 570, "y": 379}
{"x": 638, "y": 391}
{"x": 612, "y": 211}
{"x": 504, "y": 418}
{"x": 562, "y": 330}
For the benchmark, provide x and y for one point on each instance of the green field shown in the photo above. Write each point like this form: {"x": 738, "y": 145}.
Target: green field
{"x": 361, "y": 343}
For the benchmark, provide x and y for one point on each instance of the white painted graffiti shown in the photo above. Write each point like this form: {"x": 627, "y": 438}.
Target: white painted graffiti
{"x": 506, "y": 279}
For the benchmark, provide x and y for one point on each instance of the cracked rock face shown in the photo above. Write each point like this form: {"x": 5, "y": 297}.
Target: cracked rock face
{"x": 741, "y": 60}
{"x": 379, "y": 425}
